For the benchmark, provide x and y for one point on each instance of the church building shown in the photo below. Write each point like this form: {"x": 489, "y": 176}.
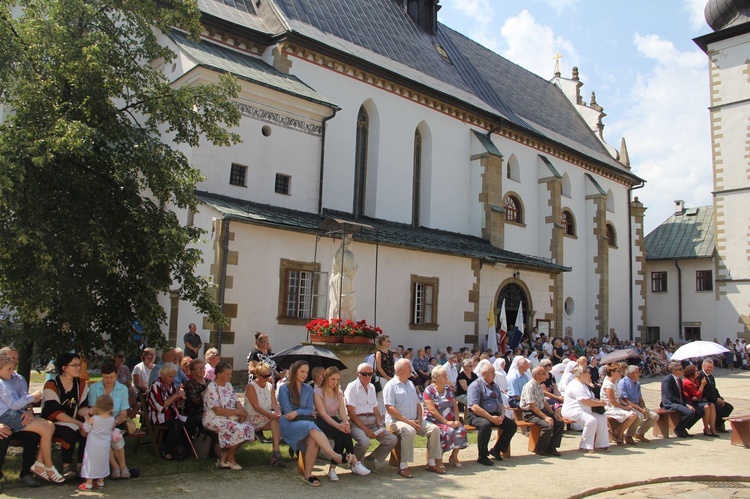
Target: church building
{"x": 465, "y": 181}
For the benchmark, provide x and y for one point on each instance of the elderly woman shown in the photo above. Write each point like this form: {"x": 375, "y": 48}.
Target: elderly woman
{"x": 142, "y": 370}
{"x": 263, "y": 411}
{"x": 163, "y": 399}
{"x": 577, "y": 406}
{"x": 298, "y": 428}
{"x": 464, "y": 379}
{"x": 421, "y": 365}
{"x": 549, "y": 388}
{"x": 333, "y": 420}
{"x": 212, "y": 360}
{"x": 125, "y": 378}
{"x": 614, "y": 408}
{"x": 195, "y": 388}
{"x": 441, "y": 409}
{"x": 119, "y": 394}
{"x": 693, "y": 393}
{"x": 226, "y": 416}
{"x": 65, "y": 403}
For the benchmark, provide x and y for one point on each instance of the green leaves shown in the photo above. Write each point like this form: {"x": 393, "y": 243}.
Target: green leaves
{"x": 86, "y": 180}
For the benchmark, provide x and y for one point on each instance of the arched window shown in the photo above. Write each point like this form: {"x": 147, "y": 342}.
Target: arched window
{"x": 610, "y": 201}
{"x": 568, "y": 223}
{"x": 360, "y": 161}
{"x": 513, "y": 210}
{"x": 611, "y": 237}
{"x": 514, "y": 169}
{"x": 566, "y": 185}
{"x": 416, "y": 197}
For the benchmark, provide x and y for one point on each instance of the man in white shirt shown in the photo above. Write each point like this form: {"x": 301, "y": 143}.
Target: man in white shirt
{"x": 547, "y": 348}
{"x": 452, "y": 370}
{"x": 367, "y": 422}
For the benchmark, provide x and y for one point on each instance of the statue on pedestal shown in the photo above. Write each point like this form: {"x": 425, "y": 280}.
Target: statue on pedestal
{"x": 342, "y": 297}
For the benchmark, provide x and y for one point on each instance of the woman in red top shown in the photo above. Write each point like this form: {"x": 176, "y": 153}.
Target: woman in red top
{"x": 694, "y": 395}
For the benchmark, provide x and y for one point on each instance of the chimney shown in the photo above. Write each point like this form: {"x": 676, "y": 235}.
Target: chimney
{"x": 679, "y": 207}
{"x": 424, "y": 13}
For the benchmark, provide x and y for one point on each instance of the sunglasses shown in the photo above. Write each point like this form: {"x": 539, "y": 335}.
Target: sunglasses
{"x": 266, "y": 376}
{"x": 365, "y": 374}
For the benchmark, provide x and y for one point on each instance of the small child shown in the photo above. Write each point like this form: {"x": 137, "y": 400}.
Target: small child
{"x": 14, "y": 416}
{"x": 99, "y": 426}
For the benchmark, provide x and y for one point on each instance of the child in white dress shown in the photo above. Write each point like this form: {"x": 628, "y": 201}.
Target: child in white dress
{"x": 99, "y": 426}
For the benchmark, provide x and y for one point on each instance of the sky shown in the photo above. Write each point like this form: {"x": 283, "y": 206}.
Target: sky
{"x": 640, "y": 59}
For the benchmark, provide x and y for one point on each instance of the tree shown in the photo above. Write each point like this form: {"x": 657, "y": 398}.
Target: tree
{"x": 90, "y": 165}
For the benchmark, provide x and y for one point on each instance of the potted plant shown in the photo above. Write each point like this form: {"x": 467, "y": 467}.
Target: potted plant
{"x": 323, "y": 330}
{"x": 360, "y": 333}
{"x": 342, "y": 331}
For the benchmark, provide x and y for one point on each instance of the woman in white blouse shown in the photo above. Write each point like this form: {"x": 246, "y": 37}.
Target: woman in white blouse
{"x": 577, "y": 406}
{"x": 263, "y": 411}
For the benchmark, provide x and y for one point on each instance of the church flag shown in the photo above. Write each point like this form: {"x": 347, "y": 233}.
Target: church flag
{"x": 491, "y": 330}
{"x": 503, "y": 330}
{"x": 518, "y": 330}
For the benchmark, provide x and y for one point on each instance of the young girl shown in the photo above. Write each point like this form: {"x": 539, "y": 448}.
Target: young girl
{"x": 99, "y": 426}
{"x": 14, "y": 416}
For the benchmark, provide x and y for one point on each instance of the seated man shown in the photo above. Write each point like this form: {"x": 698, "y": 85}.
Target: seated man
{"x": 723, "y": 408}
{"x": 485, "y": 410}
{"x": 517, "y": 379}
{"x": 29, "y": 440}
{"x": 630, "y": 391}
{"x": 672, "y": 399}
{"x": 538, "y": 411}
{"x": 367, "y": 422}
{"x": 404, "y": 416}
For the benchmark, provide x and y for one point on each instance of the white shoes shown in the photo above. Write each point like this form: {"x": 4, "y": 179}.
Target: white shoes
{"x": 333, "y": 476}
{"x": 359, "y": 469}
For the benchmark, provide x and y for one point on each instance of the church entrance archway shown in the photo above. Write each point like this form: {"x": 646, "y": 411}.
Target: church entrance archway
{"x": 514, "y": 295}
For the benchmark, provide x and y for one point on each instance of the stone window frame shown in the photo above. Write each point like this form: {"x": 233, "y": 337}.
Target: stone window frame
{"x": 570, "y": 226}
{"x": 285, "y": 267}
{"x": 611, "y": 234}
{"x": 520, "y": 209}
{"x": 434, "y": 282}
{"x": 361, "y": 153}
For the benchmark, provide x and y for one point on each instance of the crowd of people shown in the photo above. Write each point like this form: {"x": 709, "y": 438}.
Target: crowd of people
{"x": 398, "y": 393}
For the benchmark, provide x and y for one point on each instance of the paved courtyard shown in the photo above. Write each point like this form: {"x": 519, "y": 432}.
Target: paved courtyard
{"x": 699, "y": 467}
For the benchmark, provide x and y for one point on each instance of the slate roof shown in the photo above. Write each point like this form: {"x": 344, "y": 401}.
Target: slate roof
{"x": 252, "y": 69}
{"x": 687, "y": 235}
{"x": 239, "y": 12}
{"x": 384, "y": 232}
{"x": 381, "y": 32}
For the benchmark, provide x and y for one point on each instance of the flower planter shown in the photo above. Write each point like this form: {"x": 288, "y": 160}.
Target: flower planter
{"x": 358, "y": 340}
{"x": 324, "y": 339}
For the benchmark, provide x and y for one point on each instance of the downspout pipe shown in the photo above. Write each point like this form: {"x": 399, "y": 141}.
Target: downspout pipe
{"x": 323, "y": 158}
{"x": 679, "y": 298}
{"x": 630, "y": 256}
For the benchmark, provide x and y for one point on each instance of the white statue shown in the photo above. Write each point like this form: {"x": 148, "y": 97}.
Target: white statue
{"x": 341, "y": 283}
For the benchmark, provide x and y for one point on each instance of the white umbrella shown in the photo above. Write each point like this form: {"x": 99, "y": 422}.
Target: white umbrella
{"x": 698, "y": 349}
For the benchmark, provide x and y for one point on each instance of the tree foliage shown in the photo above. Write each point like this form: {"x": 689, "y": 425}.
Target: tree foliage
{"x": 87, "y": 239}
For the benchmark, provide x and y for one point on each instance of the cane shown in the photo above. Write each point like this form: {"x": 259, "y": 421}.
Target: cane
{"x": 195, "y": 453}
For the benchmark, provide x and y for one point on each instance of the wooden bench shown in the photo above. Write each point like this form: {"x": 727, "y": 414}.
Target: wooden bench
{"x": 740, "y": 430}
{"x": 535, "y": 431}
{"x": 667, "y": 422}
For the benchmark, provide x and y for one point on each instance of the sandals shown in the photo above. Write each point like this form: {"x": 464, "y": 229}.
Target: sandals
{"x": 99, "y": 484}
{"x": 438, "y": 468}
{"x": 405, "y": 473}
{"x": 124, "y": 473}
{"x": 313, "y": 480}
{"x": 455, "y": 463}
{"x": 54, "y": 476}
{"x": 84, "y": 486}
{"x": 41, "y": 474}
{"x": 277, "y": 461}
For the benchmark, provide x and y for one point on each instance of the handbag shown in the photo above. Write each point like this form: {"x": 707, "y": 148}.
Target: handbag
{"x": 598, "y": 409}
{"x": 303, "y": 417}
{"x": 202, "y": 444}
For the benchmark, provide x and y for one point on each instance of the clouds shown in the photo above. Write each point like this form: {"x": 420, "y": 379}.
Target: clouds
{"x": 666, "y": 126}
{"x": 533, "y": 45}
{"x": 560, "y": 6}
{"x": 694, "y": 9}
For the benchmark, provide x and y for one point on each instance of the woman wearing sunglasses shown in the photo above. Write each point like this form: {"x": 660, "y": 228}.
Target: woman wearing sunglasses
{"x": 262, "y": 408}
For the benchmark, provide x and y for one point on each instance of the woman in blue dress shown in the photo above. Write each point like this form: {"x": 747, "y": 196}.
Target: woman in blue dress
{"x": 298, "y": 428}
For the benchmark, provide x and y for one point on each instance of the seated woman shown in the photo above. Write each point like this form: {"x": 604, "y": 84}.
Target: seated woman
{"x": 464, "y": 379}
{"x": 125, "y": 378}
{"x": 577, "y": 406}
{"x": 163, "y": 400}
{"x": 195, "y": 388}
{"x": 298, "y": 428}
{"x": 262, "y": 408}
{"x": 694, "y": 394}
{"x": 333, "y": 420}
{"x": 614, "y": 408}
{"x": 120, "y": 397}
{"x": 13, "y": 415}
{"x": 212, "y": 360}
{"x": 142, "y": 370}
{"x": 225, "y": 415}
{"x": 65, "y": 403}
{"x": 441, "y": 409}
{"x": 549, "y": 388}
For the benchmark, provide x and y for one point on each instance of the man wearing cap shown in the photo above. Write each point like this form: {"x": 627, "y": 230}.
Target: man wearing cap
{"x": 367, "y": 422}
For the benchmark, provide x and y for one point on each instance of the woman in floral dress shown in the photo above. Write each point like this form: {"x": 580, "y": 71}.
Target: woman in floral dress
{"x": 226, "y": 416}
{"x": 441, "y": 409}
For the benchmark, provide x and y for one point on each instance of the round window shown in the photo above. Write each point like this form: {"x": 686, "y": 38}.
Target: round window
{"x": 266, "y": 131}
{"x": 570, "y": 306}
